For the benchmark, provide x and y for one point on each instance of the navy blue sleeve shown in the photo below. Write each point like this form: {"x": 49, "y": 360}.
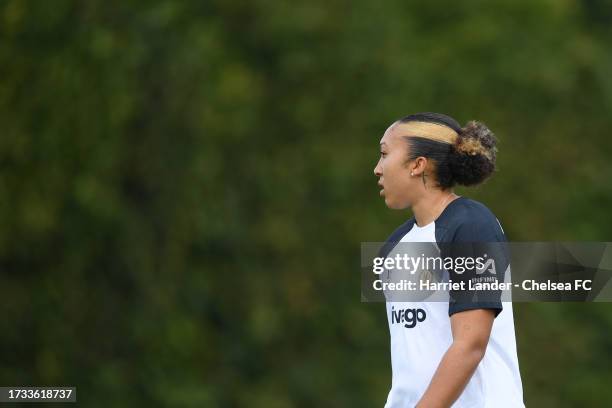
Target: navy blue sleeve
{"x": 395, "y": 237}
{"x": 478, "y": 238}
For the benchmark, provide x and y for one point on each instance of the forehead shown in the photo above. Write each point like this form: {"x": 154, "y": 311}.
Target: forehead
{"x": 390, "y": 134}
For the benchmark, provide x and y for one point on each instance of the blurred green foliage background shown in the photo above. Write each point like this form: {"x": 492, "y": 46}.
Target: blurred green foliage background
{"x": 185, "y": 185}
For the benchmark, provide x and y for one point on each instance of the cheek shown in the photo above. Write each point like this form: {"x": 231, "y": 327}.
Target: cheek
{"x": 396, "y": 171}
{"x": 401, "y": 183}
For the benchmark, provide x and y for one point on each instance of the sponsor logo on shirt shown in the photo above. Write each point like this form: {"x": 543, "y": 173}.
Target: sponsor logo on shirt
{"x": 488, "y": 266}
{"x": 409, "y": 317}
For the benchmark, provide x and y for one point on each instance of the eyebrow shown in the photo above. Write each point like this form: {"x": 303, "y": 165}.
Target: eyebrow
{"x": 383, "y": 143}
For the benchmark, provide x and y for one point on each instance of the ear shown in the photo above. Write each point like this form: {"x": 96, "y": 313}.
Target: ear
{"x": 419, "y": 165}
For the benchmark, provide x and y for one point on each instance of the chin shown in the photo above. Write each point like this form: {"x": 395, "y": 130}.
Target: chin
{"x": 391, "y": 204}
{"x": 395, "y": 205}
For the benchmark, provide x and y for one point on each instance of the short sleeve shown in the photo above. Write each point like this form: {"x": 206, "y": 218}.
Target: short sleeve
{"x": 479, "y": 258}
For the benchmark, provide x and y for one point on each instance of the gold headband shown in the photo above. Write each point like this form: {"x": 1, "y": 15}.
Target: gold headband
{"x": 428, "y": 130}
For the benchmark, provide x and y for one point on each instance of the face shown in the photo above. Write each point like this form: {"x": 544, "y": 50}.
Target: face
{"x": 399, "y": 188}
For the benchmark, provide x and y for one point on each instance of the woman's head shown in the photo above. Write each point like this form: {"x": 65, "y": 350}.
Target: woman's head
{"x": 427, "y": 151}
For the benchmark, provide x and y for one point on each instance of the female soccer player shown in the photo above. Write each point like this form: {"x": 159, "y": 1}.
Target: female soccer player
{"x": 458, "y": 353}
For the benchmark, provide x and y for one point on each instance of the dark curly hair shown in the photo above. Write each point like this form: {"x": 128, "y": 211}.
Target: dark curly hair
{"x": 469, "y": 161}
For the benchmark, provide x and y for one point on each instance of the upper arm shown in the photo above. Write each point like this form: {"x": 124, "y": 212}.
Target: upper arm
{"x": 478, "y": 238}
{"x": 472, "y": 328}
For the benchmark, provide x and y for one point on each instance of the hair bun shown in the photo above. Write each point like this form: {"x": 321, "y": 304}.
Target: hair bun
{"x": 472, "y": 159}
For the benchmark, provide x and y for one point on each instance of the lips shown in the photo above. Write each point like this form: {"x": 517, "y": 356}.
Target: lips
{"x": 382, "y": 191}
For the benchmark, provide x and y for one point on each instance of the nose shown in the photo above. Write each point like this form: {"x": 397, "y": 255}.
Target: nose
{"x": 378, "y": 169}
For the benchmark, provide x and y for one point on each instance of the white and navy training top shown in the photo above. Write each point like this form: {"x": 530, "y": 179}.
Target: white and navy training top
{"x": 421, "y": 331}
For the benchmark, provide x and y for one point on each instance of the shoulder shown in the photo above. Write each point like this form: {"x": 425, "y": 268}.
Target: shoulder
{"x": 467, "y": 220}
{"x": 396, "y": 236}
{"x": 401, "y": 230}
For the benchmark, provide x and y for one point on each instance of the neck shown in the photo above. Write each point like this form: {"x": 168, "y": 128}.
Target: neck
{"x": 429, "y": 206}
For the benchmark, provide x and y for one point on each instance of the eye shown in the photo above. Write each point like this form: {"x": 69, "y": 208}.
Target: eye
{"x": 383, "y": 154}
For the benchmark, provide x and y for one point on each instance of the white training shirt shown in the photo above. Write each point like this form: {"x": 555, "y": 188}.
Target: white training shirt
{"x": 421, "y": 331}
